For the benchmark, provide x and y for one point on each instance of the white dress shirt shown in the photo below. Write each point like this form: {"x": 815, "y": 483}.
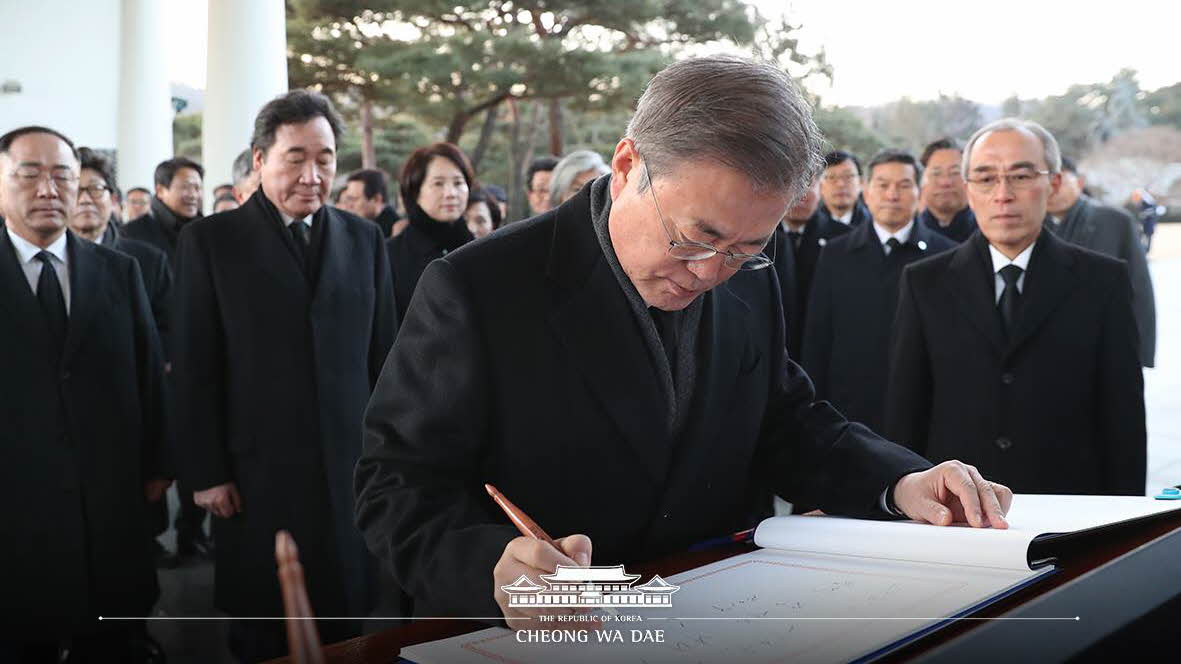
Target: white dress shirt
{"x": 288, "y": 220}
{"x": 1000, "y": 260}
{"x": 846, "y": 218}
{"x": 26, "y": 253}
{"x": 884, "y": 235}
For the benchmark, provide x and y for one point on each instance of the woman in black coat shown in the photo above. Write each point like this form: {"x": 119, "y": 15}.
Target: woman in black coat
{"x": 434, "y": 184}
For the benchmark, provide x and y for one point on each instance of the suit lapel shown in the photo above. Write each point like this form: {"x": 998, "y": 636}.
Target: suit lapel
{"x": 272, "y": 246}
{"x": 599, "y": 329}
{"x": 592, "y": 319}
{"x": 1048, "y": 282}
{"x": 330, "y": 258}
{"x": 87, "y": 283}
{"x": 15, "y": 294}
{"x": 969, "y": 285}
{"x": 723, "y": 342}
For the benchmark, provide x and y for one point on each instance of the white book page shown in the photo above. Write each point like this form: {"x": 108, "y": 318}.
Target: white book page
{"x": 765, "y": 606}
{"x": 1030, "y": 516}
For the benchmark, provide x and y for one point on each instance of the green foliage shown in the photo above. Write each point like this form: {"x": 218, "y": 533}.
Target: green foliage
{"x": 1163, "y": 106}
{"x": 445, "y": 62}
{"x": 843, "y": 129}
{"x": 913, "y": 124}
{"x": 186, "y": 136}
{"x": 394, "y": 138}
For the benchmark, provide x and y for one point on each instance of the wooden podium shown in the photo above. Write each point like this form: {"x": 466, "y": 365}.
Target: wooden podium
{"x": 1122, "y": 584}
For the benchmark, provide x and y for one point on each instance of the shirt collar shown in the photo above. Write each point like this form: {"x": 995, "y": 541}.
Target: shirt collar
{"x": 903, "y": 234}
{"x": 846, "y": 218}
{"x": 1000, "y": 260}
{"x": 288, "y": 219}
{"x": 27, "y": 251}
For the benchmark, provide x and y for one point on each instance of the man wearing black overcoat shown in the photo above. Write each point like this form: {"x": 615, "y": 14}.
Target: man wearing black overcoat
{"x": 613, "y": 379}
{"x": 799, "y": 240}
{"x": 283, "y": 320}
{"x": 1018, "y": 352}
{"x": 1111, "y": 231}
{"x": 855, "y": 292}
{"x": 83, "y": 421}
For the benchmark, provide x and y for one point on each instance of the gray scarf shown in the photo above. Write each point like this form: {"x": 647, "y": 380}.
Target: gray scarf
{"x": 674, "y": 353}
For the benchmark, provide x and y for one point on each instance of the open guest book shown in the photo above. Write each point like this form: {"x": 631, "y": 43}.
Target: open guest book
{"x": 821, "y": 589}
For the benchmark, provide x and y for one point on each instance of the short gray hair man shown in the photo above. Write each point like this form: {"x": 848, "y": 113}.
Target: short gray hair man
{"x": 685, "y": 113}
{"x": 244, "y": 176}
{"x": 1050, "y": 151}
{"x": 573, "y": 171}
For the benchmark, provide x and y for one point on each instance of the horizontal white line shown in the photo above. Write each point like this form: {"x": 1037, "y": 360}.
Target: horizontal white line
{"x": 299, "y": 618}
{"x": 497, "y": 618}
{"x": 1075, "y": 618}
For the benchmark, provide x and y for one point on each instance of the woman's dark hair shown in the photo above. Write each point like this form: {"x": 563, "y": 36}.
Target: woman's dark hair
{"x": 488, "y": 198}
{"x": 414, "y": 171}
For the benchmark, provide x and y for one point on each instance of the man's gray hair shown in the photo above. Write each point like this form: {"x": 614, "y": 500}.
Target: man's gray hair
{"x": 243, "y": 164}
{"x": 568, "y": 169}
{"x": 1050, "y": 151}
{"x": 748, "y": 115}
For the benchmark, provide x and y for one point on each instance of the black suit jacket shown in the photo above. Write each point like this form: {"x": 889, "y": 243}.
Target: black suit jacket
{"x": 1058, "y": 408}
{"x": 850, "y": 313}
{"x": 157, "y": 275}
{"x": 1113, "y": 232}
{"x": 818, "y": 232}
{"x": 273, "y": 367}
{"x": 520, "y": 363}
{"x": 81, "y": 434}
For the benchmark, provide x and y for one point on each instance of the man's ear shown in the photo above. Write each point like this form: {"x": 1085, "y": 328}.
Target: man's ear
{"x": 160, "y": 188}
{"x": 625, "y": 164}
{"x": 1055, "y": 183}
{"x": 256, "y": 159}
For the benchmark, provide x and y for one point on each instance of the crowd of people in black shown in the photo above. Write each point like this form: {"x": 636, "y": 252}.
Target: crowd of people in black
{"x": 972, "y": 303}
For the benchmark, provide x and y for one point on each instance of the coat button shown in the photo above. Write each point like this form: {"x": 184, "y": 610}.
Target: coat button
{"x": 665, "y": 516}
{"x": 1004, "y": 443}
{"x": 1007, "y": 378}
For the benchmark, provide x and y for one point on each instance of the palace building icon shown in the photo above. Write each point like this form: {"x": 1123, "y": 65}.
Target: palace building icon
{"x": 609, "y": 586}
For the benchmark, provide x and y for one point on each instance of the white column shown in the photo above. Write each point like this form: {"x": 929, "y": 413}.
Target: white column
{"x": 246, "y": 68}
{"x": 145, "y": 100}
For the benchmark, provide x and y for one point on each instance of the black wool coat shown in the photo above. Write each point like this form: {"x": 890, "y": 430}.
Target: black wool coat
{"x": 521, "y": 363}
{"x": 1114, "y": 232}
{"x": 801, "y": 263}
{"x": 157, "y": 275}
{"x": 272, "y": 369}
{"x": 1056, "y": 408}
{"x": 850, "y": 313}
{"x": 81, "y": 435}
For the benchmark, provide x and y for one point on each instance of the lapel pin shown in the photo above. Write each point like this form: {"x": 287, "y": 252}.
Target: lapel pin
{"x": 822, "y": 242}
{"x": 922, "y": 246}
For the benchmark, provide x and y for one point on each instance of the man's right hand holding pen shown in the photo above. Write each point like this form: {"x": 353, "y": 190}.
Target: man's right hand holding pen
{"x": 532, "y": 555}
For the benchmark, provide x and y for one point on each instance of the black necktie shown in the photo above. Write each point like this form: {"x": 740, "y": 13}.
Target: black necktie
{"x": 893, "y": 244}
{"x": 53, "y": 303}
{"x": 1010, "y": 302}
{"x": 795, "y": 237}
{"x": 299, "y": 233}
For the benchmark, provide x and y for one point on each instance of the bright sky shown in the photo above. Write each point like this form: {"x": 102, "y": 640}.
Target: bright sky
{"x": 881, "y": 51}
{"x": 985, "y": 51}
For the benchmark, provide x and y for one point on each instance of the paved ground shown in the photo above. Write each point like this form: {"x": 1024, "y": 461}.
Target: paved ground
{"x": 188, "y": 591}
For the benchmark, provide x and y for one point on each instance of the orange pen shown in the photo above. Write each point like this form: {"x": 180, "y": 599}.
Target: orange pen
{"x": 527, "y": 526}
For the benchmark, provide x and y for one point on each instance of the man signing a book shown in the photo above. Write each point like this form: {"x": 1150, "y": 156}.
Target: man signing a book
{"x": 616, "y": 366}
